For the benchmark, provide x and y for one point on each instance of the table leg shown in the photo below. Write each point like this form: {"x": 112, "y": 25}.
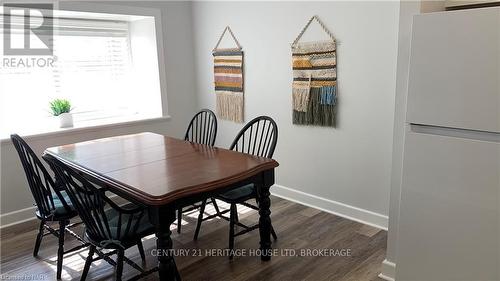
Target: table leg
{"x": 265, "y": 212}
{"x": 162, "y": 219}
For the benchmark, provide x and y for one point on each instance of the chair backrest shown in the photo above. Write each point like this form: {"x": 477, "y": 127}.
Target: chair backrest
{"x": 93, "y": 207}
{"x": 257, "y": 137}
{"x": 40, "y": 182}
{"x": 202, "y": 128}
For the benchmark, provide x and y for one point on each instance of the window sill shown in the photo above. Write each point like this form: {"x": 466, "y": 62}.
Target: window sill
{"x": 87, "y": 126}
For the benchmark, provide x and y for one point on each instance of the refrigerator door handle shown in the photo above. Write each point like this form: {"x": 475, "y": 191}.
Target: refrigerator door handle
{"x": 455, "y": 132}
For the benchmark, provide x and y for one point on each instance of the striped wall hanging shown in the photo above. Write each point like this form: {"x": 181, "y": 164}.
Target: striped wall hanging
{"x": 228, "y": 80}
{"x": 314, "y": 86}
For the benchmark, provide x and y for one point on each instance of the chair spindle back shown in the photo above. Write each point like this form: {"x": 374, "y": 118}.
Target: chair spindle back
{"x": 40, "y": 182}
{"x": 202, "y": 128}
{"x": 93, "y": 207}
{"x": 257, "y": 137}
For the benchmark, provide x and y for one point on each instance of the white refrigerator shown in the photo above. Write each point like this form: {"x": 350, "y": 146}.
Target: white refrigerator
{"x": 449, "y": 210}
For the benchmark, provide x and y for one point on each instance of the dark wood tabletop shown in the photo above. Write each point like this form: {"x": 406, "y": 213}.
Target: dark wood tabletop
{"x": 156, "y": 169}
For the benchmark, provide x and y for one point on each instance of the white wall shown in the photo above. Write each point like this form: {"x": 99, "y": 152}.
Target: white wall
{"x": 346, "y": 169}
{"x": 16, "y": 200}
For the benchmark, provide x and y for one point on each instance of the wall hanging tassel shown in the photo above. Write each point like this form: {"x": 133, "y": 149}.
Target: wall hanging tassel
{"x": 228, "y": 80}
{"x": 314, "y": 87}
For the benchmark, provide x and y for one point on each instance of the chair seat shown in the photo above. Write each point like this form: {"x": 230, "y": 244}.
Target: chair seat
{"x": 238, "y": 194}
{"x": 60, "y": 212}
{"x": 130, "y": 238}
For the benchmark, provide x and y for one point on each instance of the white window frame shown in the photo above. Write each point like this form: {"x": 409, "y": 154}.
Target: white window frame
{"x": 125, "y": 122}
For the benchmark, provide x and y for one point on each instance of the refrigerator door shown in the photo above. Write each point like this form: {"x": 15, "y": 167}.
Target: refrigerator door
{"x": 454, "y": 78}
{"x": 449, "y": 212}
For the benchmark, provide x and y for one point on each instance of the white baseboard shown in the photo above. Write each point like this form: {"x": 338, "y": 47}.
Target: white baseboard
{"x": 388, "y": 271}
{"x": 340, "y": 209}
{"x": 327, "y": 205}
{"x": 19, "y": 216}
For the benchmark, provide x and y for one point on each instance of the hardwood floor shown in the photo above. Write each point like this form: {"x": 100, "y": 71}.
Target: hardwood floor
{"x": 299, "y": 228}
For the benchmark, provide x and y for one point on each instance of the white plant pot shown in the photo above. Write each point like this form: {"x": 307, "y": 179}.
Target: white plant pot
{"x": 66, "y": 120}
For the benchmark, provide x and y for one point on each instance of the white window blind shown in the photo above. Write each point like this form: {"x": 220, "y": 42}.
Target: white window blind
{"x": 92, "y": 68}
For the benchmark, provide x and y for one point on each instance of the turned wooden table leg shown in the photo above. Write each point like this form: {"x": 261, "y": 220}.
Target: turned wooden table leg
{"x": 265, "y": 212}
{"x": 162, "y": 218}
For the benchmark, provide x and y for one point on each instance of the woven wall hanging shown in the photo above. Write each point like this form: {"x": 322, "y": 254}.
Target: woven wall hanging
{"x": 314, "y": 87}
{"x": 228, "y": 80}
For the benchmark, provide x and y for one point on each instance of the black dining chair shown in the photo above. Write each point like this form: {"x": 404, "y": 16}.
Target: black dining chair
{"x": 52, "y": 203}
{"x": 258, "y": 137}
{"x": 108, "y": 226}
{"x": 202, "y": 129}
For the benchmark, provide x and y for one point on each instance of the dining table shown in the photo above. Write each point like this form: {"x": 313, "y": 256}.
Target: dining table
{"x": 164, "y": 173}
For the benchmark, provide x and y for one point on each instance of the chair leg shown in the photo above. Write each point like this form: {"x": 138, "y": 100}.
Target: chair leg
{"x": 200, "y": 219}
{"x": 141, "y": 249}
{"x": 119, "y": 264}
{"x": 232, "y": 220}
{"x": 236, "y": 218}
{"x": 217, "y": 210}
{"x": 177, "y": 274}
{"x": 179, "y": 220}
{"x": 60, "y": 250}
{"x": 273, "y": 233}
{"x": 38, "y": 239}
{"x": 88, "y": 261}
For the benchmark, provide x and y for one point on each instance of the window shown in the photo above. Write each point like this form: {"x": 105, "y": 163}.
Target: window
{"x": 105, "y": 65}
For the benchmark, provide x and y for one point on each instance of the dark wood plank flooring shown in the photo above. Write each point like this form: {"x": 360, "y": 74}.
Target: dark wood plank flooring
{"x": 301, "y": 229}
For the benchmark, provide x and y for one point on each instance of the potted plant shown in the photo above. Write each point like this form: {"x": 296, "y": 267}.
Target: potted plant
{"x": 62, "y": 108}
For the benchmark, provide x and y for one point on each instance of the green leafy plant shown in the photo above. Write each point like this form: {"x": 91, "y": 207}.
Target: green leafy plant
{"x": 60, "y": 106}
